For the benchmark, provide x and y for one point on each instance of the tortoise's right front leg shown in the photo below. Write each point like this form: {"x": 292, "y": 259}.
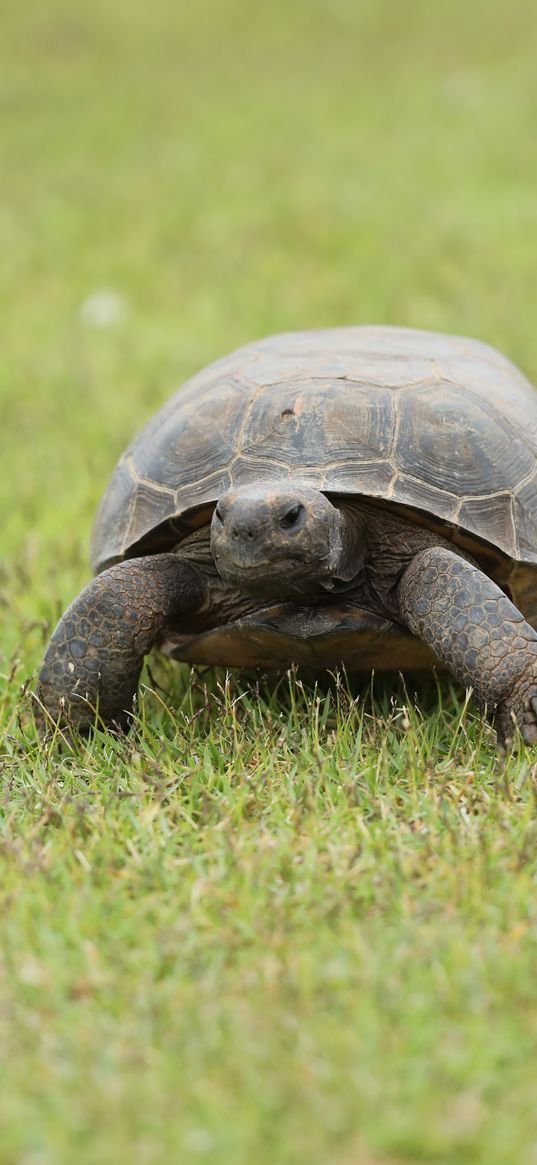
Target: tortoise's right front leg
{"x": 93, "y": 663}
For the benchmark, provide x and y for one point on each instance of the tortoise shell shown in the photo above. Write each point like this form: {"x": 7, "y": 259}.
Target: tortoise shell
{"x": 441, "y": 425}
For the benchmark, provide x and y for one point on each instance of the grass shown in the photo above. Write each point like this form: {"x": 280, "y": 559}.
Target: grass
{"x": 279, "y": 924}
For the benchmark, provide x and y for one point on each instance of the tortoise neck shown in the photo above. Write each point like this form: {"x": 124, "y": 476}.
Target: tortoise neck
{"x": 352, "y": 525}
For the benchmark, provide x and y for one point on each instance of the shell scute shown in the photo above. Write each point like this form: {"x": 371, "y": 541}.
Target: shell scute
{"x": 452, "y": 441}
{"x": 320, "y": 422}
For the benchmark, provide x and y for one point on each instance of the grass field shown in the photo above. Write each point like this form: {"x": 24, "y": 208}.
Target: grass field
{"x": 277, "y": 925}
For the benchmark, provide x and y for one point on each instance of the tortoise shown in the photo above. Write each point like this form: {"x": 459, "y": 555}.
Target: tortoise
{"x": 364, "y": 496}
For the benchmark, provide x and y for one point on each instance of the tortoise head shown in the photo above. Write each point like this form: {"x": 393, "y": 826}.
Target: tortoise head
{"x": 278, "y": 542}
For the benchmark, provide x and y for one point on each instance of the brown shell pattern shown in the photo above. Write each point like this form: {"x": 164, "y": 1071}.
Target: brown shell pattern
{"x": 444, "y": 425}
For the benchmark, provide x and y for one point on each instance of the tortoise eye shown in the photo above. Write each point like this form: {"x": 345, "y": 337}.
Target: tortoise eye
{"x": 292, "y": 516}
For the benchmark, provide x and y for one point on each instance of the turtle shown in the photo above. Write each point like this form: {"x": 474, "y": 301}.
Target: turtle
{"x": 361, "y": 496}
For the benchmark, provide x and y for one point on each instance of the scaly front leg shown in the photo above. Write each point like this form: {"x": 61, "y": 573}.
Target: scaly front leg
{"x": 478, "y": 633}
{"x": 93, "y": 663}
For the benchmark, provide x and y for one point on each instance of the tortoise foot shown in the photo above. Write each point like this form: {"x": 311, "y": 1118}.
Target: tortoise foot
{"x": 518, "y": 711}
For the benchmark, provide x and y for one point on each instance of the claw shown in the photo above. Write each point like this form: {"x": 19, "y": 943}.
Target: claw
{"x": 516, "y": 717}
{"x": 529, "y": 733}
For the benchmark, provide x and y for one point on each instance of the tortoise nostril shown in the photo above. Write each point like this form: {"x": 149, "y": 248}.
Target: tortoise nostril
{"x": 292, "y": 516}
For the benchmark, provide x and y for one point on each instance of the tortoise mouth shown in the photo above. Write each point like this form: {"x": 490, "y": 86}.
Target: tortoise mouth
{"x": 278, "y": 577}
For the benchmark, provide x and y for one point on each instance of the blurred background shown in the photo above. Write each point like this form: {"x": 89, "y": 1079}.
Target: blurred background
{"x": 178, "y": 179}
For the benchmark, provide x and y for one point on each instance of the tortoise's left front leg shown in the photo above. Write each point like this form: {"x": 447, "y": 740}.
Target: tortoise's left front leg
{"x": 94, "y": 659}
{"x": 478, "y": 633}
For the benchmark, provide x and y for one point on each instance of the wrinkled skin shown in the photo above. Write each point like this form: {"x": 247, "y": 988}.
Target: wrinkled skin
{"x": 477, "y": 632}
